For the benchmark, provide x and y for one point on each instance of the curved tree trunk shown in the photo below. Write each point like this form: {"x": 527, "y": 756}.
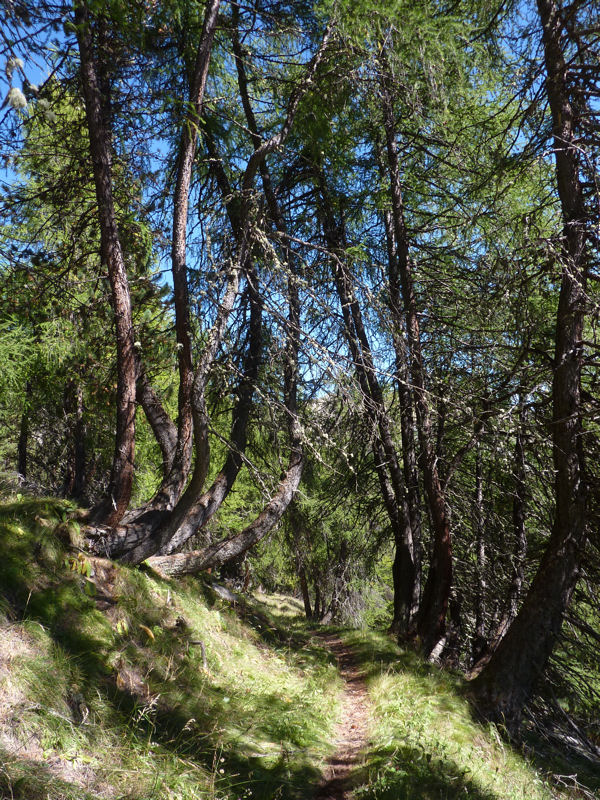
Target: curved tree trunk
{"x": 165, "y": 532}
{"x": 114, "y": 505}
{"x": 505, "y": 684}
{"x": 163, "y": 427}
{"x": 234, "y": 546}
{"x": 176, "y": 441}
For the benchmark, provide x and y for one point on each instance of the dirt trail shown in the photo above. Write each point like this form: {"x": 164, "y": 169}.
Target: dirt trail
{"x": 351, "y": 733}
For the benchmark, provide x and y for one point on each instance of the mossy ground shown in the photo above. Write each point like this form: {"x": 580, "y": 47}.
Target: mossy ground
{"x": 116, "y": 684}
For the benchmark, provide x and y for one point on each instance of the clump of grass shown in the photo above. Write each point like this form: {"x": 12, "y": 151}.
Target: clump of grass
{"x": 425, "y": 744}
{"x": 125, "y": 686}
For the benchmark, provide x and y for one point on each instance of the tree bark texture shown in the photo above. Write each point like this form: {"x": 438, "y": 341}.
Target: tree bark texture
{"x": 506, "y": 683}
{"x": 407, "y": 419}
{"x": 434, "y": 603}
{"x": 174, "y": 481}
{"x": 113, "y": 507}
{"x": 163, "y": 427}
{"x": 228, "y": 549}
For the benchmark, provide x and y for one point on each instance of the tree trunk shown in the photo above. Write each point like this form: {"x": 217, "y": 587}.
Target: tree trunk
{"x": 506, "y": 683}
{"x": 519, "y": 533}
{"x": 305, "y": 593}
{"x": 232, "y": 547}
{"x": 318, "y": 612}
{"x": 24, "y": 435}
{"x": 114, "y": 505}
{"x": 390, "y": 476}
{"x": 479, "y": 640}
{"x": 75, "y": 474}
{"x": 434, "y": 604}
{"x": 165, "y": 532}
{"x": 174, "y": 481}
{"x": 406, "y": 402}
{"x": 165, "y": 431}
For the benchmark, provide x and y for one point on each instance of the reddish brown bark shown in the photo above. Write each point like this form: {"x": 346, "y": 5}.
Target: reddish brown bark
{"x": 235, "y": 546}
{"x": 165, "y": 431}
{"x": 165, "y": 532}
{"x": 505, "y": 684}
{"x": 174, "y": 481}
{"x": 114, "y": 505}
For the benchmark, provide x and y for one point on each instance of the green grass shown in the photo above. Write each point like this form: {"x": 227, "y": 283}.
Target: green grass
{"x": 425, "y": 743}
{"x": 104, "y": 693}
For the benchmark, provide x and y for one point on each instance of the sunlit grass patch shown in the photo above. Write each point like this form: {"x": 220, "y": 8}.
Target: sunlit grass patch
{"x": 425, "y": 744}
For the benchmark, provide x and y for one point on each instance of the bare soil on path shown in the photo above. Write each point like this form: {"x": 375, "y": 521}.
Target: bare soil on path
{"x": 351, "y": 733}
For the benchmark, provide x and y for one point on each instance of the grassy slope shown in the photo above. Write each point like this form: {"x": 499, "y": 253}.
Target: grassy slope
{"x": 104, "y": 692}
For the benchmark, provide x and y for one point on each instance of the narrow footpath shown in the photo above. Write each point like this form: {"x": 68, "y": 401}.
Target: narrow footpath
{"x": 351, "y": 733}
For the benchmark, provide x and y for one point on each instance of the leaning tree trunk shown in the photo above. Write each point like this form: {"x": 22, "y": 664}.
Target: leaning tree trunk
{"x": 144, "y": 538}
{"x": 163, "y": 427}
{"x": 509, "y": 679}
{"x": 234, "y": 546}
{"x": 231, "y": 548}
{"x": 434, "y": 604}
{"x": 112, "y": 508}
{"x": 176, "y": 441}
{"x": 166, "y": 532}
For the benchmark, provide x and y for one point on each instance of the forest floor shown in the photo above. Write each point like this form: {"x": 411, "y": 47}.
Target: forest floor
{"x": 117, "y": 684}
{"x": 351, "y": 733}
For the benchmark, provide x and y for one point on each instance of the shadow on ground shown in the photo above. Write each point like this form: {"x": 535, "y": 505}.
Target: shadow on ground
{"x": 150, "y": 672}
{"x": 151, "y": 676}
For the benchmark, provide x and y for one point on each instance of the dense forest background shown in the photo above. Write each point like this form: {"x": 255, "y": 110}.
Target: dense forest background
{"x": 306, "y": 292}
